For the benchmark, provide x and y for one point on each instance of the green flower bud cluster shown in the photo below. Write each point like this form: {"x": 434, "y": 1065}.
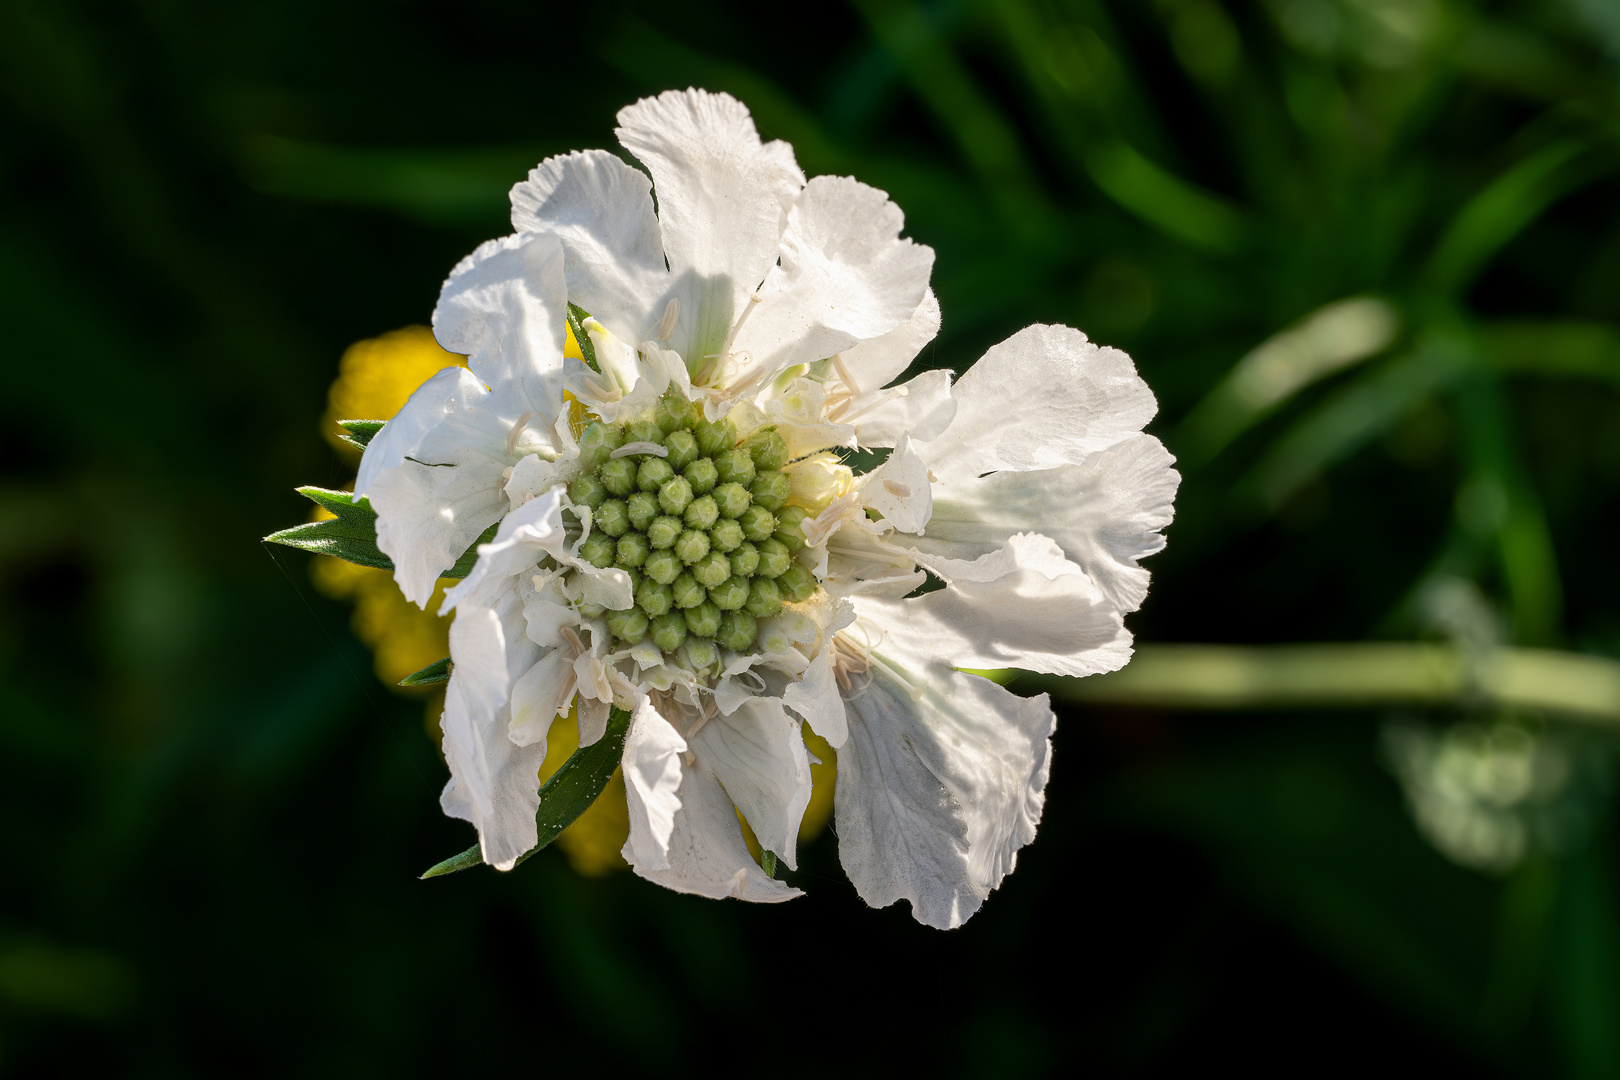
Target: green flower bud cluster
{"x": 704, "y": 529}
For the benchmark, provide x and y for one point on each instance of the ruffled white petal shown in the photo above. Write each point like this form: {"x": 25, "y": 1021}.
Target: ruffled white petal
{"x": 602, "y": 211}
{"x": 941, "y": 782}
{"x": 879, "y": 361}
{"x": 899, "y": 490}
{"x": 721, "y": 204}
{"x": 494, "y": 782}
{"x": 434, "y": 476}
{"x": 1023, "y": 606}
{"x": 527, "y": 535}
{"x": 845, "y": 276}
{"x": 504, "y": 307}
{"x": 707, "y": 855}
{"x": 758, "y": 755}
{"x": 652, "y": 774}
{"x": 1106, "y": 513}
{"x": 922, "y": 407}
{"x": 1044, "y": 397}
{"x": 816, "y": 698}
{"x": 538, "y": 696}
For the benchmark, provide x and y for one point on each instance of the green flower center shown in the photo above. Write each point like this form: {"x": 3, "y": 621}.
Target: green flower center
{"x": 700, "y": 520}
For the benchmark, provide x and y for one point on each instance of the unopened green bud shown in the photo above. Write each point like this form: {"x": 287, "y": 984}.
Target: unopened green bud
{"x": 669, "y": 631}
{"x": 757, "y": 523}
{"x": 662, "y": 567}
{"x": 744, "y": 560}
{"x": 691, "y": 546}
{"x": 790, "y": 526}
{"x": 701, "y": 512}
{"x": 701, "y": 654}
{"x": 771, "y": 489}
{"x": 629, "y": 625}
{"x": 687, "y": 592}
{"x": 703, "y": 620}
{"x": 635, "y": 578}
{"x": 764, "y": 598}
{"x": 642, "y": 508}
{"x": 653, "y": 598}
{"x": 672, "y": 413}
{"x": 702, "y": 475}
{"x": 713, "y": 437}
{"x": 663, "y": 532}
{"x": 798, "y": 583}
{"x": 653, "y": 473}
{"x": 731, "y": 499}
{"x": 726, "y": 535}
{"x": 730, "y": 594}
{"x": 597, "y": 442}
{"x": 737, "y": 631}
{"x": 675, "y": 496}
{"x": 632, "y": 551}
{"x": 773, "y": 559}
{"x": 712, "y": 569}
{"x": 598, "y": 550}
{"x": 586, "y": 491}
{"x": 768, "y": 449}
{"x": 590, "y": 611}
{"x": 735, "y": 466}
{"x": 683, "y": 449}
{"x": 618, "y": 476}
{"x": 644, "y": 431}
{"x": 613, "y": 517}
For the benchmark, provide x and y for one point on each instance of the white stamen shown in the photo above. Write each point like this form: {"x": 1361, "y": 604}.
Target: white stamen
{"x": 666, "y": 325}
{"x": 640, "y": 448}
{"x": 517, "y": 431}
{"x": 843, "y": 373}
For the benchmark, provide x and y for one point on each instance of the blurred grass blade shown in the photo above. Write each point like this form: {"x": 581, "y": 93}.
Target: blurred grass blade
{"x": 1164, "y": 200}
{"x": 1352, "y": 675}
{"x": 1327, "y": 341}
{"x": 1497, "y": 214}
{"x": 436, "y": 672}
{"x": 569, "y": 793}
{"x": 350, "y": 534}
{"x": 1554, "y": 347}
{"x": 359, "y": 433}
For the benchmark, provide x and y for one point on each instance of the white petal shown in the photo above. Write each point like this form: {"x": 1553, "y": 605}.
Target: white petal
{"x": 504, "y": 307}
{"x": 899, "y": 490}
{"x": 1105, "y": 512}
{"x": 593, "y": 718}
{"x": 529, "y": 478}
{"x": 652, "y": 773}
{"x": 494, "y": 782}
{"x": 433, "y": 474}
{"x": 538, "y": 696}
{"x": 845, "y": 276}
{"x": 721, "y": 198}
{"x": 922, "y": 408}
{"x": 706, "y": 853}
{"x": 1044, "y": 397}
{"x": 941, "y": 782}
{"x": 815, "y": 697}
{"x": 602, "y": 210}
{"x": 758, "y": 755}
{"x": 526, "y": 535}
{"x": 1023, "y": 606}
{"x": 880, "y": 360}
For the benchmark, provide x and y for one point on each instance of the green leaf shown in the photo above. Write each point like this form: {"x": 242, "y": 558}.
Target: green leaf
{"x": 351, "y": 535}
{"x": 359, "y": 433}
{"x": 568, "y": 794}
{"x": 587, "y": 348}
{"x": 436, "y": 672}
{"x": 767, "y": 862}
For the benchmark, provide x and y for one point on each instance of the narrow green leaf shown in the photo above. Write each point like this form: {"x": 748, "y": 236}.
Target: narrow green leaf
{"x": 359, "y": 433}
{"x": 587, "y": 348}
{"x": 436, "y": 672}
{"x": 351, "y": 535}
{"x": 767, "y": 862}
{"x": 568, "y": 794}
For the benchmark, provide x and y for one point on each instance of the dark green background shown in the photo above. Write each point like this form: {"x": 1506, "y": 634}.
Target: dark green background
{"x": 211, "y": 816}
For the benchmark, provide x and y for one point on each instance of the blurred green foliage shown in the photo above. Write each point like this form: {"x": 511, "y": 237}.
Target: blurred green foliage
{"x": 1366, "y": 251}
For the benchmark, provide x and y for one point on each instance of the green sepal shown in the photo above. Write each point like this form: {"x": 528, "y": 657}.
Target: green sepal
{"x": 568, "y": 794}
{"x": 350, "y": 535}
{"x": 359, "y": 433}
{"x": 587, "y": 348}
{"x": 436, "y": 672}
{"x": 767, "y": 862}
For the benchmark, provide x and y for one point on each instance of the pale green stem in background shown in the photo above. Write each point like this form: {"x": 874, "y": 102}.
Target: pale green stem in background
{"x": 1575, "y": 686}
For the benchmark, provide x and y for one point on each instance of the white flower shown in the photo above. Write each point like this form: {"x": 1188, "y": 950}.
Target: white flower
{"x": 680, "y": 538}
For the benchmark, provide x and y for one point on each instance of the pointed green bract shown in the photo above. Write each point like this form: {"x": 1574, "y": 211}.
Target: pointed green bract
{"x": 351, "y": 534}
{"x": 568, "y": 794}
{"x": 587, "y": 348}
{"x": 436, "y": 672}
{"x": 359, "y": 433}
